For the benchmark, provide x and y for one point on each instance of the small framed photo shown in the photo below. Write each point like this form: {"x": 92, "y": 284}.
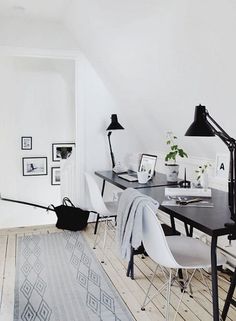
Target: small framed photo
{"x": 34, "y": 166}
{"x": 62, "y": 151}
{"x": 222, "y": 166}
{"x": 148, "y": 163}
{"x": 26, "y": 142}
{"x": 55, "y": 175}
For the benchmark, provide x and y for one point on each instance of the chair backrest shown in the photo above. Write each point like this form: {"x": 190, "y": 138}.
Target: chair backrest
{"x": 96, "y": 199}
{"x": 154, "y": 240}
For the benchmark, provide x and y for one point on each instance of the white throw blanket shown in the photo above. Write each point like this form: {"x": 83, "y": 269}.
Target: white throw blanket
{"x": 129, "y": 220}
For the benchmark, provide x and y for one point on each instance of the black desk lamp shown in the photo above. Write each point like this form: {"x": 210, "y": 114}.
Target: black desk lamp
{"x": 205, "y": 125}
{"x": 114, "y": 125}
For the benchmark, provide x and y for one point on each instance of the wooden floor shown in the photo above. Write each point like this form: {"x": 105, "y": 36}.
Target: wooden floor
{"x": 132, "y": 291}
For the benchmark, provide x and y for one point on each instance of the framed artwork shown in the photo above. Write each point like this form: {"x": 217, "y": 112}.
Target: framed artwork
{"x": 34, "y": 166}
{"x": 148, "y": 163}
{"x": 55, "y": 175}
{"x": 62, "y": 151}
{"x": 222, "y": 166}
{"x": 26, "y": 142}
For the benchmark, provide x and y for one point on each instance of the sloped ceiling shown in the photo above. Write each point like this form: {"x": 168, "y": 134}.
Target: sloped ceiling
{"x": 158, "y": 58}
{"x": 53, "y": 10}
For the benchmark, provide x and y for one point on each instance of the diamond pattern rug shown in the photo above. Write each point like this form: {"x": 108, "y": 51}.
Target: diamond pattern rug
{"x": 58, "y": 278}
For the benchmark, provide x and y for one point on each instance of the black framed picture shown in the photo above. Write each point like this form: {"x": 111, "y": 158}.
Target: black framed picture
{"x": 34, "y": 166}
{"x": 26, "y": 142}
{"x": 62, "y": 151}
{"x": 148, "y": 163}
{"x": 55, "y": 175}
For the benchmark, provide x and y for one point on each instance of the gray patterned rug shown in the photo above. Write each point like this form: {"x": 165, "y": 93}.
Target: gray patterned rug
{"x": 58, "y": 278}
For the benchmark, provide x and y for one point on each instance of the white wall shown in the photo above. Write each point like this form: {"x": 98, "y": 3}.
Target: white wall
{"x": 37, "y": 99}
{"x": 160, "y": 59}
{"x": 151, "y": 63}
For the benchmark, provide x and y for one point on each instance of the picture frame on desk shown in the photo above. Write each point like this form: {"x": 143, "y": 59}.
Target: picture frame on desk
{"x": 222, "y": 166}
{"x": 148, "y": 164}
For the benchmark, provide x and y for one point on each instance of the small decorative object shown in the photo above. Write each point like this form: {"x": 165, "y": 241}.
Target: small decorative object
{"x": 185, "y": 183}
{"x": 34, "y": 166}
{"x": 26, "y": 142}
{"x": 55, "y": 175}
{"x": 171, "y": 166}
{"x": 148, "y": 164}
{"x": 202, "y": 177}
{"x": 222, "y": 166}
{"x": 62, "y": 151}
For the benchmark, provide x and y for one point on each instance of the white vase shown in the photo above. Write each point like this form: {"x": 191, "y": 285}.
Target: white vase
{"x": 204, "y": 180}
{"x": 172, "y": 172}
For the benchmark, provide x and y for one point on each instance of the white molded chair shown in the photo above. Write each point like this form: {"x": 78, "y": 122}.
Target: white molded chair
{"x": 173, "y": 252}
{"x": 105, "y": 210}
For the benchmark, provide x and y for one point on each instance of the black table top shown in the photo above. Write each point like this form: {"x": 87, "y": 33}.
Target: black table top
{"x": 210, "y": 220}
{"x": 157, "y": 180}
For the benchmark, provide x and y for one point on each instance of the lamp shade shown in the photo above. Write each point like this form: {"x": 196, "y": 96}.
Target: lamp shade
{"x": 114, "y": 123}
{"x": 200, "y": 125}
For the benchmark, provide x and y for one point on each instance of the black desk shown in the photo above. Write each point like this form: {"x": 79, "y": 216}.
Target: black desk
{"x": 208, "y": 220}
{"x": 113, "y": 178}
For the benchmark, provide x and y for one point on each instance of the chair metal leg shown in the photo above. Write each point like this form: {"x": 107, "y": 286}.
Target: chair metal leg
{"x": 96, "y": 238}
{"x": 150, "y": 285}
{"x": 104, "y": 240}
{"x": 205, "y": 282}
{"x": 182, "y": 295}
{"x": 168, "y": 294}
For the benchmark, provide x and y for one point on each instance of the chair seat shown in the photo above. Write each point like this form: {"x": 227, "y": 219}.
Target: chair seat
{"x": 192, "y": 253}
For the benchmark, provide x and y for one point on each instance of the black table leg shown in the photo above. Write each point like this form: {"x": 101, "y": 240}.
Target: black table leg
{"x": 229, "y": 299}
{"x": 96, "y": 224}
{"x": 130, "y": 269}
{"x": 98, "y": 216}
{"x": 103, "y": 187}
{"x": 214, "y": 281}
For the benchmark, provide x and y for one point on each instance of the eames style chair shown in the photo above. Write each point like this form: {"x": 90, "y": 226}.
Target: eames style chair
{"x": 173, "y": 253}
{"x": 105, "y": 210}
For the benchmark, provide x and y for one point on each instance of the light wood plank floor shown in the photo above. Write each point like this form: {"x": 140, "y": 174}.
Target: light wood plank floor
{"x": 132, "y": 291}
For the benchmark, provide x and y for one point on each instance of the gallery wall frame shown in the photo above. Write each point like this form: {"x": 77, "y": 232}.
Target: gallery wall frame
{"x": 34, "y": 166}
{"x": 26, "y": 142}
{"x": 55, "y": 176}
{"x": 62, "y": 150}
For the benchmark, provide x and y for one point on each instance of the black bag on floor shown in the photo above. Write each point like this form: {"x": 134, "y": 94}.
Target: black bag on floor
{"x": 70, "y": 217}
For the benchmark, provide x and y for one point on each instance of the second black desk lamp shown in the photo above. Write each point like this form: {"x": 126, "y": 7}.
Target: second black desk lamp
{"x": 114, "y": 125}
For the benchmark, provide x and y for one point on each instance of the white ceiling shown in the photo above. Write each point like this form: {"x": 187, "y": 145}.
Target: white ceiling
{"x": 35, "y": 9}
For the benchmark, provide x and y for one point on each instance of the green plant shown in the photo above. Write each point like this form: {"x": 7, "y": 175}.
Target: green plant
{"x": 174, "y": 148}
{"x": 202, "y": 169}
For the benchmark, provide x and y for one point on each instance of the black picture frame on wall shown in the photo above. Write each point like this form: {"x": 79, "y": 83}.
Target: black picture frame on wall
{"x": 61, "y": 150}
{"x": 55, "y": 176}
{"x": 26, "y": 142}
{"x": 34, "y": 166}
